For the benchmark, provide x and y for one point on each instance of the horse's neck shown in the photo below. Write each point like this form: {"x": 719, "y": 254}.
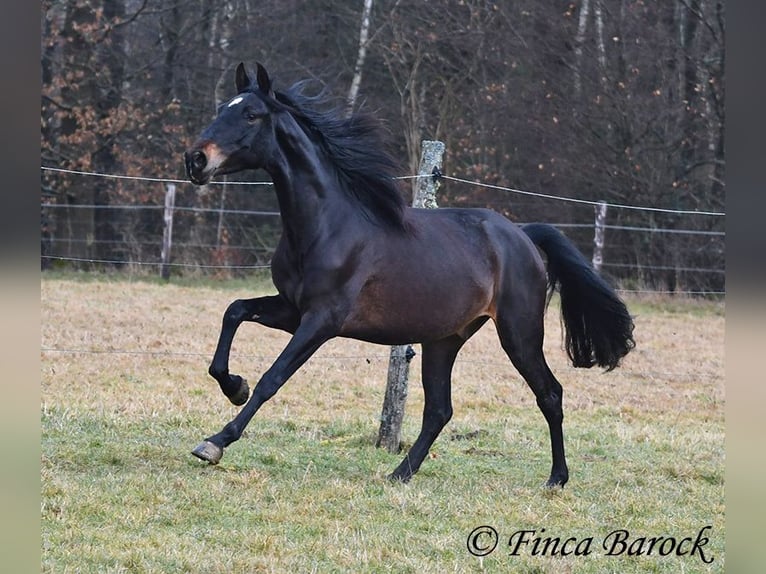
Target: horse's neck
{"x": 307, "y": 191}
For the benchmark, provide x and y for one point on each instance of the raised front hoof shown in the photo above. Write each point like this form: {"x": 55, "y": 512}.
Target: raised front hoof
{"x": 208, "y": 451}
{"x": 243, "y": 392}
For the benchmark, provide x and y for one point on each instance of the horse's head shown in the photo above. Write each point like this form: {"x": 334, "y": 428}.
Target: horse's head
{"x": 235, "y": 139}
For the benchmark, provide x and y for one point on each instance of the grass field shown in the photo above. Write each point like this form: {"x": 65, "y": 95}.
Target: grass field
{"x": 126, "y": 396}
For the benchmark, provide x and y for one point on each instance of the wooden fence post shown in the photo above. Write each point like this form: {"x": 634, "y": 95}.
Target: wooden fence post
{"x": 598, "y": 237}
{"x": 424, "y": 195}
{"x": 167, "y": 233}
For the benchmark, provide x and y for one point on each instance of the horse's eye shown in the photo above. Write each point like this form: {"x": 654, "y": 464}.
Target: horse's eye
{"x": 251, "y": 117}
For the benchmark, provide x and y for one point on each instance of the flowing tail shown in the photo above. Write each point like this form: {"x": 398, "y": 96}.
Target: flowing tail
{"x": 598, "y": 328}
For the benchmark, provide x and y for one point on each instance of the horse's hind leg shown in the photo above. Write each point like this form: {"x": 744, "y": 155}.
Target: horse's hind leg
{"x": 271, "y": 311}
{"x": 438, "y": 359}
{"x": 521, "y": 335}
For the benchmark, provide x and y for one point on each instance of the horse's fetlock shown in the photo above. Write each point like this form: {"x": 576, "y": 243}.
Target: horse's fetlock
{"x": 217, "y": 372}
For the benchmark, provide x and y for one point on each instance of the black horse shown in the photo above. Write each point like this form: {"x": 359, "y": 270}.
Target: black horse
{"x": 354, "y": 261}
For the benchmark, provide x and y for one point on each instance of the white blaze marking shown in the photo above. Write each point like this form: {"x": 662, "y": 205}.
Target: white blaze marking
{"x": 235, "y": 101}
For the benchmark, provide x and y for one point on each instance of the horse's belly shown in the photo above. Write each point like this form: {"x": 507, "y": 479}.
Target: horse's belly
{"x": 397, "y": 314}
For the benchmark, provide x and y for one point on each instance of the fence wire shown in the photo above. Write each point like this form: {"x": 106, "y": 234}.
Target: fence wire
{"x": 448, "y": 177}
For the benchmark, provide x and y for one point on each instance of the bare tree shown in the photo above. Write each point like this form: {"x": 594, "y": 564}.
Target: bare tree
{"x": 364, "y": 34}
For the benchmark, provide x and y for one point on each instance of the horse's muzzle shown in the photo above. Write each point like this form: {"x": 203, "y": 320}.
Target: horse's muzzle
{"x": 196, "y": 162}
{"x": 203, "y": 161}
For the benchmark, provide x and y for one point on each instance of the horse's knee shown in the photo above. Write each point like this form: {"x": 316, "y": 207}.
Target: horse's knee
{"x": 235, "y": 312}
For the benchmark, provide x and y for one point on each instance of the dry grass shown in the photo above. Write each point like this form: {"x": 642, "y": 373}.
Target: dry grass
{"x": 303, "y": 490}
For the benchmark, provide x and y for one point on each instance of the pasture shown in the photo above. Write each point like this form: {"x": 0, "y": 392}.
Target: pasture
{"x": 126, "y": 396}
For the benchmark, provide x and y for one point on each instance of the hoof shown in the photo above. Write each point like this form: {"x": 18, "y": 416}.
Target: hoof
{"x": 556, "y": 482}
{"x": 240, "y": 397}
{"x": 395, "y": 477}
{"x": 208, "y": 451}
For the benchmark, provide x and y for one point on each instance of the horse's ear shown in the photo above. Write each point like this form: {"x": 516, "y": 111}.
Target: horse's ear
{"x": 264, "y": 82}
{"x": 242, "y": 79}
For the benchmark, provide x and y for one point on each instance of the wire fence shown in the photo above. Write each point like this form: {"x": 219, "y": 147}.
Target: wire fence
{"x": 212, "y": 236}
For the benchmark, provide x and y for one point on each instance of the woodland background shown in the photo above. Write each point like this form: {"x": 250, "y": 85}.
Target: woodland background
{"x": 614, "y": 100}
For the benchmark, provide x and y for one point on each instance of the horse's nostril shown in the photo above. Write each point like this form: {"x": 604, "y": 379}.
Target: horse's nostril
{"x": 199, "y": 160}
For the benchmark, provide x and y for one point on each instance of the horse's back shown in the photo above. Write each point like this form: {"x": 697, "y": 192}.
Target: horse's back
{"x": 479, "y": 234}
{"x": 510, "y": 259}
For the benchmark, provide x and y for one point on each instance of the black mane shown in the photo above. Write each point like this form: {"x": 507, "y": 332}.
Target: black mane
{"x": 357, "y": 146}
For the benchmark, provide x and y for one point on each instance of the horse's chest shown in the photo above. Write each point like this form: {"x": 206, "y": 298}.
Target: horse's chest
{"x": 310, "y": 278}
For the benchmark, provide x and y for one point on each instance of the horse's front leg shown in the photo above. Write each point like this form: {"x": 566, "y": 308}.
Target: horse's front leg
{"x": 308, "y": 337}
{"x": 272, "y": 311}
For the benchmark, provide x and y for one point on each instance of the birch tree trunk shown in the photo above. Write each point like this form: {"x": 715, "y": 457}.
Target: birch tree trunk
{"x": 599, "y": 16}
{"x": 364, "y": 33}
{"x": 582, "y": 27}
